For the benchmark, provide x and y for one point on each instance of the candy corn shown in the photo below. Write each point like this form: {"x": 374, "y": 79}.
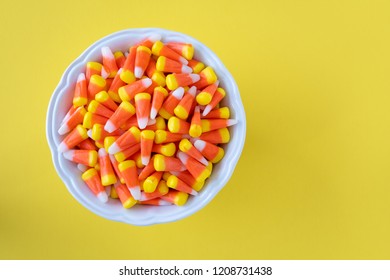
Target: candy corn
{"x": 91, "y": 178}
{"x": 80, "y": 97}
{"x": 143, "y": 138}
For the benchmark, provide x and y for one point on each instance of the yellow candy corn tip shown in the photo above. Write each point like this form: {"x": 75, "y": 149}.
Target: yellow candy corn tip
{"x": 93, "y": 106}
{"x": 87, "y": 122}
{"x": 162, "y": 187}
{"x": 150, "y": 184}
{"x": 210, "y": 75}
{"x": 180, "y": 199}
{"x": 89, "y": 174}
{"x": 219, "y": 156}
{"x": 159, "y": 162}
{"x": 172, "y": 181}
{"x": 136, "y": 133}
{"x": 203, "y": 175}
{"x": 181, "y": 112}
{"x": 224, "y": 113}
{"x": 92, "y": 158}
{"x": 160, "y": 136}
{"x": 119, "y": 156}
{"x": 164, "y": 113}
{"x": 156, "y": 48}
{"x": 162, "y": 90}
{"x": 171, "y": 82}
{"x": 210, "y": 167}
{"x": 108, "y": 179}
{"x": 101, "y": 96}
{"x": 144, "y": 49}
{"x": 198, "y": 186}
{"x": 108, "y": 141}
{"x": 185, "y": 145}
{"x": 98, "y": 80}
{"x": 160, "y": 64}
{"x": 114, "y": 96}
{"x": 159, "y": 78}
{"x": 122, "y": 94}
{"x": 125, "y": 165}
{"x": 127, "y": 76}
{"x": 79, "y": 101}
{"x": 82, "y": 131}
{"x": 195, "y": 130}
{"x": 122, "y": 180}
{"x": 168, "y": 150}
{"x": 130, "y": 202}
{"x": 113, "y": 193}
{"x": 198, "y": 68}
{"x": 204, "y": 98}
{"x": 142, "y": 96}
{"x": 188, "y": 52}
{"x": 225, "y": 135}
{"x": 128, "y": 107}
{"x": 174, "y": 124}
{"x": 160, "y": 123}
{"x": 147, "y": 134}
{"x": 118, "y": 54}
{"x": 94, "y": 65}
{"x": 221, "y": 91}
{"x": 205, "y": 125}
{"x": 96, "y": 132}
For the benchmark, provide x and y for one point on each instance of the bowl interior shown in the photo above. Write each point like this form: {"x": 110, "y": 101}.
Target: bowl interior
{"x": 141, "y": 214}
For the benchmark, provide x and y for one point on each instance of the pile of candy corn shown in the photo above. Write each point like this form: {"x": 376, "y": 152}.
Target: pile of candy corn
{"x": 145, "y": 126}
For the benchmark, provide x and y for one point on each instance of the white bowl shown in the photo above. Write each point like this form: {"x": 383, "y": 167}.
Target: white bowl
{"x": 61, "y": 100}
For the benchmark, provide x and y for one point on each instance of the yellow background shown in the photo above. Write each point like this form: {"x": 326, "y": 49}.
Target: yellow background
{"x": 313, "y": 180}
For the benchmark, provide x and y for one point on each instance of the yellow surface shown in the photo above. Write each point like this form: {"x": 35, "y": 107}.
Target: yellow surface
{"x": 313, "y": 181}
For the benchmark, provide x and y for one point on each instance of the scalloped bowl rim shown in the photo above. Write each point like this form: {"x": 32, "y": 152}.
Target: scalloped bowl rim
{"x": 149, "y": 214}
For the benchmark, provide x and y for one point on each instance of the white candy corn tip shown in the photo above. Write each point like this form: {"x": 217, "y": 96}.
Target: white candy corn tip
{"x": 153, "y": 113}
{"x": 102, "y": 152}
{"x": 207, "y": 110}
{"x": 82, "y": 167}
{"x": 109, "y": 126}
{"x": 186, "y": 69}
{"x": 194, "y": 192}
{"x": 81, "y": 77}
{"x": 192, "y": 90}
{"x": 106, "y": 52}
{"x": 147, "y": 82}
{"x": 200, "y": 145}
{"x": 105, "y": 73}
{"x": 69, "y": 154}
{"x": 62, "y": 147}
{"x": 63, "y": 129}
{"x": 183, "y": 60}
{"x": 182, "y": 156}
{"x": 155, "y": 37}
{"x": 231, "y": 122}
{"x": 108, "y": 190}
{"x": 142, "y": 122}
{"x": 119, "y": 71}
{"x": 126, "y": 53}
{"x": 103, "y": 197}
{"x": 195, "y": 77}
{"x": 178, "y": 93}
{"x": 113, "y": 149}
{"x": 89, "y": 133}
{"x": 138, "y": 72}
{"x": 135, "y": 192}
{"x": 204, "y": 161}
{"x": 145, "y": 160}
{"x": 164, "y": 203}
